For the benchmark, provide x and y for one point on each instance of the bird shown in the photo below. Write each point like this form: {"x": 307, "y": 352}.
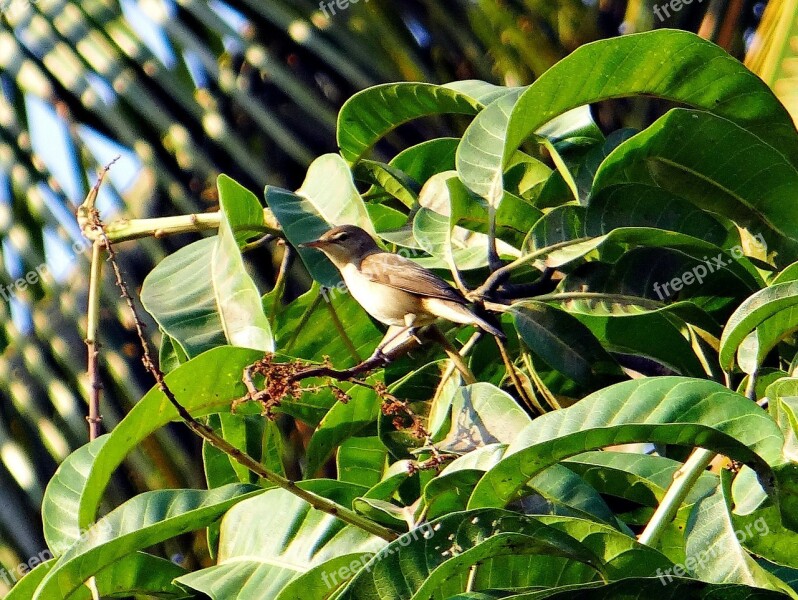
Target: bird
{"x": 392, "y": 288}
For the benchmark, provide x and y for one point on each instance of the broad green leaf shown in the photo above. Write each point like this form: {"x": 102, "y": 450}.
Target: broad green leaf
{"x": 669, "y": 410}
{"x": 623, "y": 556}
{"x": 763, "y": 535}
{"x": 137, "y": 573}
{"x": 477, "y": 162}
{"x": 481, "y": 91}
{"x": 329, "y": 187}
{"x": 237, "y": 298}
{"x": 369, "y": 115}
{"x": 640, "y": 478}
{"x": 469, "y": 219}
{"x": 392, "y": 180}
{"x": 204, "y": 385}
{"x": 216, "y": 297}
{"x": 713, "y": 550}
{"x": 270, "y": 540}
{"x": 752, "y": 313}
{"x": 304, "y": 328}
{"x": 362, "y": 461}
{"x": 562, "y": 342}
{"x": 191, "y": 317}
{"x": 638, "y": 205}
{"x": 750, "y": 185}
{"x": 438, "y": 555}
{"x": 433, "y": 232}
{"x": 782, "y": 398}
{"x": 658, "y": 335}
{"x": 395, "y": 475}
{"x": 556, "y": 490}
{"x": 143, "y": 521}
{"x": 426, "y": 159}
{"x": 669, "y": 64}
{"x": 483, "y": 414}
{"x": 255, "y": 435}
{"x": 645, "y": 237}
{"x": 62, "y": 497}
{"x": 241, "y": 207}
{"x": 340, "y": 423}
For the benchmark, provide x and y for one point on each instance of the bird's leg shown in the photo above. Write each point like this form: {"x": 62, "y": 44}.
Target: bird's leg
{"x": 394, "y": 333}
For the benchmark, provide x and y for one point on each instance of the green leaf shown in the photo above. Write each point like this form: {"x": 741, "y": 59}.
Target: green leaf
{"x": 673, "y": 65}
{"x": 137, "y": 573}
{"x": 483, "y": 414}
{"x": 476, "y": 155}
{"x": 340, "y": 423}
{"x": 191, "y": 317}
{"x": 218, "y": 302}
{"x": 426, "y": 159}
{"x": 62, "y": 497}
{"x": 671, "y": 588}
{"x": 713, "y": 547}
{"x": 392, "y": 180}
{"x": 304, "y": 327}
{"x": 270, "y": 540}
{"x": 753, "y": 313}
{"x": 639, "y": 205}
{"x": 362, "y": 461}
{"x": 369, "y": 115}
{"x": 562, "y": 342}
{"x": 679, "y": 153}
{"x": 669, "y": 410}
{"x": 237, "y": 298}
{"x": 640, "y": 478}
{"x": 241, "y": 209}
{"x": 439, "y": 555}
{"x": 782, "y": 398}
{"x": 556, "y": 490}
{"x": 143, "y": 521}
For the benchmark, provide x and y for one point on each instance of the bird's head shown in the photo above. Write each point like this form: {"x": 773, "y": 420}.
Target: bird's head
{"x": 345, "y": 244}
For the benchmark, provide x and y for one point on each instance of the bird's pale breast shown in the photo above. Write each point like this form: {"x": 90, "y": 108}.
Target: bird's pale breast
{"x": 387, "y": 304}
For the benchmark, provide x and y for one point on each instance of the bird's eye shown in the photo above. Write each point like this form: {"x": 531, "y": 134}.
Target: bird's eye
{"x": 342, "y": 237}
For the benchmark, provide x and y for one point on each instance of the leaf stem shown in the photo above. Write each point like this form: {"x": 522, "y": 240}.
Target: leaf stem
{"x": 501, "y": 274}
{"x": 92, "y": 343}
{"x": 683, "y": 480}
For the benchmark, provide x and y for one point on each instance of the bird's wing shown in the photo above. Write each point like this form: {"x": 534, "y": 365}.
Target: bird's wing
{"x": 402, "y": 273}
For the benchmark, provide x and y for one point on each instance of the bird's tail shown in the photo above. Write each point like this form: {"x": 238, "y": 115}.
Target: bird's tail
{"x": 460, "y": 313}
{"x": 485, "y": 326}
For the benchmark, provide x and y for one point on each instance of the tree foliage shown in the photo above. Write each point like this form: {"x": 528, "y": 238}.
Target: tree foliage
{"x": 645, "y": 281}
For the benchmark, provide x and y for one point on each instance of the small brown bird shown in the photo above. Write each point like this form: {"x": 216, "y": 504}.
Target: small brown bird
{"x": 391, "y": 288}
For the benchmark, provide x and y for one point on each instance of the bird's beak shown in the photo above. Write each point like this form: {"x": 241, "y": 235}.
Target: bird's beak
{"x": 314, "y": 244}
